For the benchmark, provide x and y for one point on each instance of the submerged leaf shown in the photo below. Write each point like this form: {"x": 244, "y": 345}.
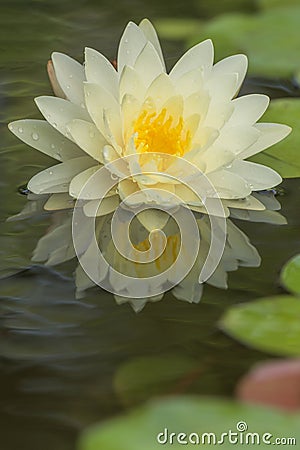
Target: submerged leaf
{"x": 147, "y": 376}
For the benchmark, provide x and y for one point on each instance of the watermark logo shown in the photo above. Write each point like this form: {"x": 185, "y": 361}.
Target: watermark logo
{"x": 240, "y": 436}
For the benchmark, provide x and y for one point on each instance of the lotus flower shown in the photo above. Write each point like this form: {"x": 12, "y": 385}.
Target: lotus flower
{"x": 103, "y": 114}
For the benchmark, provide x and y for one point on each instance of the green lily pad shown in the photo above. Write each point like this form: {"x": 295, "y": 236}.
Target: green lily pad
{"x": 269, "y": 324}
{"x": 284, "y": 156}
{"x": 267, "y": 4}
{"x": 271, "y": 38}
{"x": 177, "y": 29}
{"x": 189, "y": 419}
{"x": 145, "y": 377}
{"x": 290, "y": 275}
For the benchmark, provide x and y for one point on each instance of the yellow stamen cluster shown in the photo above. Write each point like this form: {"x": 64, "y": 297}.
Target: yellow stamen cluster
{"x": 157, "y": 133}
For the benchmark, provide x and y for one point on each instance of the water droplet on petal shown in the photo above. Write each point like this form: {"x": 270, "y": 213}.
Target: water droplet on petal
{"x": 50, "y": 172}
{"x": 35, "y": 136}
{"x": 114, "y": 176}
{"x": 52, "y": 146}
{"x": 70, "y": 76}
{"x": 54, "y": 124}
{"x": 92, "y": 133}
{"x": 68, "y": 86}
{"x": 20, "y": 129}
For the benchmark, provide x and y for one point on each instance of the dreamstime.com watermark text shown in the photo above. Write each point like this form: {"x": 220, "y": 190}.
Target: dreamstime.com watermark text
{"x": 239, "y": 436}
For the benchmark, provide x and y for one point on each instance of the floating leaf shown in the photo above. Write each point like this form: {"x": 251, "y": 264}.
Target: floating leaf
{"x": 144, "y": 377}
{"x": 269, "y": 324}
{"x": 267, "y": 4}
{"x": 151, "y": 426}
{"x": 177, "y": 29}
{"x": 284, "y": 156}
{"x": 290, "y": 275}
{"x": 270, "y": 39}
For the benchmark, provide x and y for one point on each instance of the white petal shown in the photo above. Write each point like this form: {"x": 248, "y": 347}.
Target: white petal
{"x": 101, "y": 208}
{"x": 161, "y": 89}
{"x": 259, "y": 216}
{"x": 59, "y": 175}
{"x": 126, "y": 188}
{"x": 187, "y": 195}
{"x": 222, "y": 87}
{"x": 249, "y": 202}
{"x": 99, "y": 70}
{"x": 200, "y": 56}
{"x": 130, "y": 109}
{"x": 87, "y": 136}
{"x": 268, "y": 199}
{"x": 174, "y": 107}
{"x": 148, "y": 64}
{"x": 41, "y": 135}
{"x": 241, "y": 247}
{"x": 151, "y": 35}
{"x": 59, "y": 112}
{"x": 57, "y": 90}
{"x": 270, "y": 134}
{"x": 131, "y": 83}
{"x": 214, "y": 210}
{"x": 219, "y": 278}
{"x": 96, "y": 188}
{"x": 188, "y": 291}
{"x": 82, "y": 281}
{"x": 196, "y": 103}
{"x": 153, "y": 219}
{"x": 56, "y": 246}
{"x": 131, "y": 44}
{"x": 228, "y": 185}
{"x": 233, "y": 64}
{"x": 113, "y": 129}
{"x": 258, "y": 176}
{"x": 70, "y": 76}
{"x": 92, "y": 266}
{"x": 215, "y": 157}
{"x": 218, "y": 114}
{"x": 248, "y": 109}
{"x": 190, "y": 82}
{"x": 99, "y": 101}
{"x": 59, "y": 201}
{"x": 116, "y": 165}
{"x": 238, "y": 138}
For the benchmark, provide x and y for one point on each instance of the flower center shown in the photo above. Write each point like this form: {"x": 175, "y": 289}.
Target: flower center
{"x": 158, "y": 133}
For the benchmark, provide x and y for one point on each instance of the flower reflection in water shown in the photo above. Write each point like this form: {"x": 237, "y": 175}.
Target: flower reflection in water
{"x": 57, "y": 247}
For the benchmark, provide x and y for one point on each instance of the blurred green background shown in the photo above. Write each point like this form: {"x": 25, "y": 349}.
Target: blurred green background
{"x": 67, "y": 363}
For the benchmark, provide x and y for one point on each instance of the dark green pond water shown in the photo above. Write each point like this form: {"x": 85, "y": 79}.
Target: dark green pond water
{"x": 62, "y": 360}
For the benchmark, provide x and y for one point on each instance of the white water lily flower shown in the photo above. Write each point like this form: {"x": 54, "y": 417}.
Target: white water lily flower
{"x": 140, "y": 109}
